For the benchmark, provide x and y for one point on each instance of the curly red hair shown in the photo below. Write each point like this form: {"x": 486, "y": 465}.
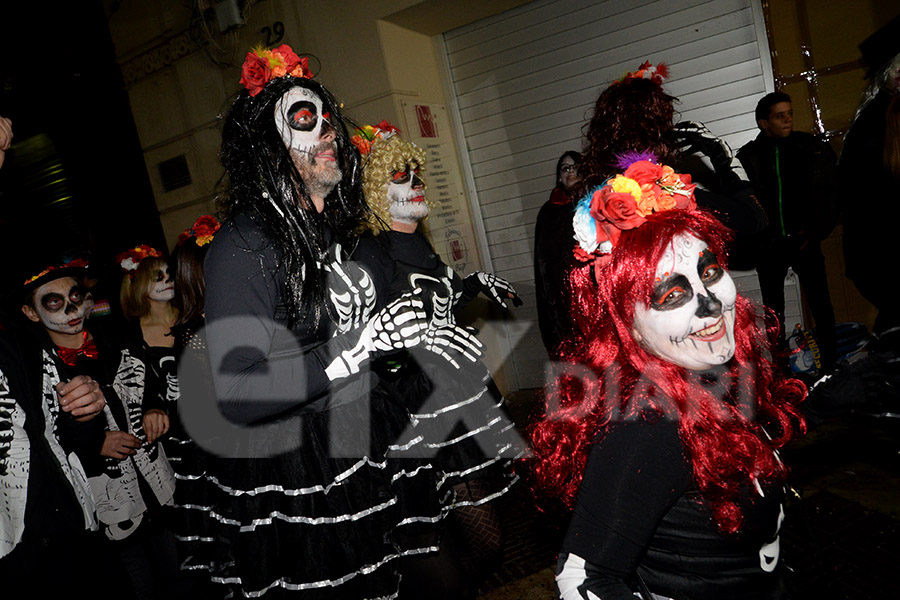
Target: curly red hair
{"x": 611, "y": 377}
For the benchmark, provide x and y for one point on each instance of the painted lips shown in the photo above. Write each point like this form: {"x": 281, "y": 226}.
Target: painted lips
{"x": 712, "y": 333}
{"x": 326, "y": 155}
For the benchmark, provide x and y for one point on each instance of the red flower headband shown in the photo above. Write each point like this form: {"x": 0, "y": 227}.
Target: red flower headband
{"x": 624, "y": 201}
{"x": 203, "y": 230}
{"x": 77, "y": 263}
{"x": 262, "y": 65}
{"x": 656, "y": 74}
{"x": 366, "y": 136}
{"x": 130, "y": 259}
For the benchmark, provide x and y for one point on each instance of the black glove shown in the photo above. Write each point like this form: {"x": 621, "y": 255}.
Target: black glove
{"x": 496, "y": 288}
{"x": 691, "y": 137}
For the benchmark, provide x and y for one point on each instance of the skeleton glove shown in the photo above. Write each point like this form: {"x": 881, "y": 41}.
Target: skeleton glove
{"x": 496, "y": 288}
{"x": 399, "y": 325}
{"x": 451, "y": 342}
{"x": 350, "y": 290}
{"x": 695, "y": 137}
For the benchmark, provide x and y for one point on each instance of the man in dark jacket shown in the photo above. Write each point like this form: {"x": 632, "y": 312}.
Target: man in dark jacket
{"x": 794, "y": 177}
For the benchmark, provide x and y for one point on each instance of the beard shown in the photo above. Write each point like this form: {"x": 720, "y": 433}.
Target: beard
{"x": 319, "y": 175}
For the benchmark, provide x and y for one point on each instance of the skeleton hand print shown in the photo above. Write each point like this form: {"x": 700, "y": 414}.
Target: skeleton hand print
{"x": 450, "y": 341}
{"x": 350, "y": 290}
{"x": 496, "y": 288}
{"x": 399, "y": 325}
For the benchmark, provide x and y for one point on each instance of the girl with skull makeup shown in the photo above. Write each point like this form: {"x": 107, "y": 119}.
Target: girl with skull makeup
{"x": 302, "y": 498}
{"x": 454, "y": 406}
{"x": 129, "y": 476}
{"x": 663, "y": 435}
{"x": 146, "y": 296}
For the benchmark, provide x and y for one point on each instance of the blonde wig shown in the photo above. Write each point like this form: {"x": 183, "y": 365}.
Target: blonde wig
{"x": 385, "y": 157}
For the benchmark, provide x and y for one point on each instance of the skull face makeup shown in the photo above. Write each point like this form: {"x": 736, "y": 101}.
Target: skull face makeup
{"x": 690, "y": 320}
{"x": 161, "y": 288}
{"x": 60, "y": 306}
{"x": 406, "y": 196}
{"x": 302, "y": 122}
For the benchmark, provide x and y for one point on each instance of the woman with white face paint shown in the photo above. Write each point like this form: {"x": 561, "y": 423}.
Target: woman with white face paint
{"x": 663, "y": 438}
{"x": 454, "y": 406}
{"x": 146, "y": 296}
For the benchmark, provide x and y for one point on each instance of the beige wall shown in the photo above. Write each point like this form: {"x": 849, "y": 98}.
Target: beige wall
{"x": 372, "y": 54}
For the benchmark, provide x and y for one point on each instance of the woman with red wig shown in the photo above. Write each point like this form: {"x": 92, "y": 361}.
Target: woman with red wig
{"x": 663, "y": 435}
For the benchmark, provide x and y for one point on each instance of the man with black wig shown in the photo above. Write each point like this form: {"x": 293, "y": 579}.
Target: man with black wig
{"x": 305, "y": 501}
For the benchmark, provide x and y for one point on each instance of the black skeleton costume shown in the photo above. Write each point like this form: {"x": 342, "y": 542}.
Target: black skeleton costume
{"x": 43, "y": 487}
{"x": 300, "y": 494}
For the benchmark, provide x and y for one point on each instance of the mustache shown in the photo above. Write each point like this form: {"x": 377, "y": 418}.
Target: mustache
{"x": 312, "y": 151}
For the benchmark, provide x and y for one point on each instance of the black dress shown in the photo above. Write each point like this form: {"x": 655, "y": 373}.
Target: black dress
{"x": 457, "y": 411}
{"x": 297, "y": 495}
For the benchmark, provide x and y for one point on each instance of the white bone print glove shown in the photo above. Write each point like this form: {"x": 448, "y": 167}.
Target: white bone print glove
{"x": 399, "y": 325}
{"x": 496, "y": 288}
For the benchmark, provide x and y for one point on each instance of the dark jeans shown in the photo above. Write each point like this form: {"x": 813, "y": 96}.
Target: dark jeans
{"x": 809, "y": 265}
{"x": 149, "y": 559}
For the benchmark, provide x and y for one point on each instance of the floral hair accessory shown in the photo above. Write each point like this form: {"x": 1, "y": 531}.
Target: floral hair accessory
{"x": 78, "y": 263}
{"x": 367, "y": 134}
{"x": 203, "y": 230}
{"x": 623, "y": 202}
{"x": 130, "y": 259}
{"x": 262, "y": 65}
{"x": 655, "y": 73}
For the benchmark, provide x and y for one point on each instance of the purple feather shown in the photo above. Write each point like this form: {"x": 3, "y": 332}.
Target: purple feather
{"x": 626, "y": 159}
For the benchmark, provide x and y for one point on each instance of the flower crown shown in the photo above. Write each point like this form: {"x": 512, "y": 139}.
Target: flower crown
{"x": 262, "y": 65}
{"x": 655, "y": 73}
{"x": 203, "y": 230}
{"x": 77, "y": 263}
{"x": 367, "y": 134}
{"x": 130, "y": 259}
{"x": 624, "y": 201}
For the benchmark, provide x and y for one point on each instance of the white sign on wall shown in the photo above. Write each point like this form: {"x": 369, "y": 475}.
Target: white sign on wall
{"x": 449, "y": 224}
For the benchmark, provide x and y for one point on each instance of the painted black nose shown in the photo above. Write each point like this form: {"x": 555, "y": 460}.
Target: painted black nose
{"x": 710, "y": 306}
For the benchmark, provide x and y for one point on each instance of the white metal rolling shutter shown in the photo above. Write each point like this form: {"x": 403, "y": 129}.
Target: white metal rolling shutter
{"x": 525, "y": 83}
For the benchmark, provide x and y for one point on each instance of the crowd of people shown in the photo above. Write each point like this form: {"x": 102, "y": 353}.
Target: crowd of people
{"x": 287, "y": 405}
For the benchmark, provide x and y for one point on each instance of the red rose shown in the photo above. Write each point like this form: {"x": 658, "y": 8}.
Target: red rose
{"x": 255, "y": 73}
{"x": 206, "y": 224}
{"x": 620, "y": 209}
{"x": 644, "y": 172}
{"x": 289, "y": 57}
{"x": 301, "y": 69}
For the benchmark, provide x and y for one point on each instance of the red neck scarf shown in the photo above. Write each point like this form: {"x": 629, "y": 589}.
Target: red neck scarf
{"x": 70, "y": 355}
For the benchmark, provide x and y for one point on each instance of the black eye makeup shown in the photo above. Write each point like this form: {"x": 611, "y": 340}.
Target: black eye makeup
{"x": 303, "y": 116}
{"x": 53, "y": 302}
{"x": 708, "y": 268}
{"x": 671, "y": 292}
{"x": 401, "y": 177}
